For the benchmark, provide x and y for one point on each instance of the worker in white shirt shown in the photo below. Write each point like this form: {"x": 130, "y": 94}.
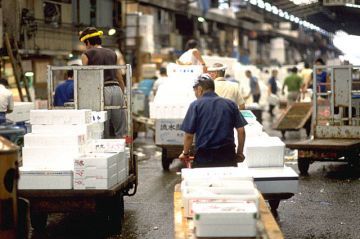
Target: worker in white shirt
{"x": 6, "y": 100}
{"x": 224, "y": 88}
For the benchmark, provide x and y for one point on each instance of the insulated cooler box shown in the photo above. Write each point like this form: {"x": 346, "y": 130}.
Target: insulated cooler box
{"x": 225, "y": 219}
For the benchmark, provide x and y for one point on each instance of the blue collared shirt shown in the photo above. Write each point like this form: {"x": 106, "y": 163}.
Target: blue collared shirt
{"x": 213, "y": 119}
{"x": 64, "y": 93}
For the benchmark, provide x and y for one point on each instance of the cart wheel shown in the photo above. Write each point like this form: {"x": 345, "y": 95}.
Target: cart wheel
{"x": 116, "y": 215}
{"x": 164, "y": 160}
{"x": 39, "y": 220}
{"x": 303, "y": 165}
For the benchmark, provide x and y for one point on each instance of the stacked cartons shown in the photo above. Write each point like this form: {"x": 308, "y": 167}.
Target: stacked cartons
{"x": 48, "y": 153}
{"x": 96, "y": 171}
{"x": 103, "y": 165}
{"x": 215, "y": 197}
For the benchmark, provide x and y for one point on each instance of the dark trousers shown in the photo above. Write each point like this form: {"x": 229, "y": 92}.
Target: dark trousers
{"x": 221, "y": 157}
{"x": 256, "y": 98}
{"x": 271, "y": 108}
{"x": 2, "y": 117}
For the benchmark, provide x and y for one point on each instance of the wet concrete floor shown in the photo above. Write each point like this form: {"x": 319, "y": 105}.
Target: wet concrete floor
{"x": 327, "y": 205}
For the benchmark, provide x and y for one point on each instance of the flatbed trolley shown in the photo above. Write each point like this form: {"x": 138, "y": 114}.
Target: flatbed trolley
{"x": 335, "y": 119}
{"x": 109, "y": 203}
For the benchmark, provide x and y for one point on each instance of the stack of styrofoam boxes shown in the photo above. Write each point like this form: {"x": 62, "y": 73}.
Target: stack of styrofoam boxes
{"x": 48, "y": 153}
{"x": 173, "y": 98}
{"x": 103, "y": 165}
{"x": 207, "y": 192}
{"x": 142, "y": 25}
{"x": 21, "y": 111}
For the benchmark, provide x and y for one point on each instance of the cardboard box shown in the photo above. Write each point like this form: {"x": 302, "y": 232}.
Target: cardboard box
{"x": 60, "y": 117}
{"x": 225, "y": 219}
{"x": 45, "y": 179}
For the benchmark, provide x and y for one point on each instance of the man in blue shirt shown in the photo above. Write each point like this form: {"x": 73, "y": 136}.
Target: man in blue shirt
{"x": 254, "y": 87}
{"x": 65, "y": 91}
{"x": 213, "y": 119}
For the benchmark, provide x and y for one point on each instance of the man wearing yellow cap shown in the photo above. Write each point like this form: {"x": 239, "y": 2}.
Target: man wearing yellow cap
{"x": 114, "y": 86}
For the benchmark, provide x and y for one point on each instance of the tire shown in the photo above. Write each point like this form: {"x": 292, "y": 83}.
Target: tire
{"x": 38, "y": 221}
{"x": 165, "y": 162}
{"x": 303, "y": 165}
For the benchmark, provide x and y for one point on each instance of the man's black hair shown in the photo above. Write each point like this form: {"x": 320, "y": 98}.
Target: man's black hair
{"x": 162, "y": 71}
{"x": 70, "y": 73}
{"x": 192, "y": 43}
{"x": 294, "y": 70}
{"x": 321, "y": 61}
{"x": 206, "y": 84}
{"x": 307, "y": 65}
{"x": 93, "y": 40}
{"x": 4, "y": 82}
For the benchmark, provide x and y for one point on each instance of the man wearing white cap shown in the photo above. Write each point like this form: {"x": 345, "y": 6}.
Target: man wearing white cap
{"x": 224, "y": 88}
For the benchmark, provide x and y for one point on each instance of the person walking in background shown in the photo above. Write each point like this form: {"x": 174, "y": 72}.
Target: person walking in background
{"x": 114, "y": 86}
{"x": 293, "y": 82}
{"x": 6, "y": 100}
{"x": 191, "y": 56}
{"x": 272, "y": 90}
{"x": 254, "y": 87}
{"x": 224, "y": 88}
{"x": 161, "y": 80}
{"x": 64, "y": 92}
{"x": 321, "y": 77}
{"x": 306, "y": 75}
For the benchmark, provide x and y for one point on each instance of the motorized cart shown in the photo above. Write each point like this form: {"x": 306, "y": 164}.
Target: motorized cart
{"x": 335, "y": 119}
{"x": 107, "y": 203}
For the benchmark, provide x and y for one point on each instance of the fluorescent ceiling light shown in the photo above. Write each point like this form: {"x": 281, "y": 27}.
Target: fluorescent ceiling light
{"x": 111, "y": 31}
{"x": 201, "y": 19}
{"x": 352, "y": 5}
{"x": 29, "y": 74}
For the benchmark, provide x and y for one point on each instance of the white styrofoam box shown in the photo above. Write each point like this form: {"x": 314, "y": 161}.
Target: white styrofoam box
{"x": 98, "y": 160}
{"x": 122, "y": 175}
{"x": 98, "y": 173}
{"x": 99, "y": 116}
{"x": 96, "y": 183}
{"x": 21, "y": 111}
{"x": 223, "y": 173}
{"x": 206, "y": 197}
{"x": 49, "y": 157}
{"x": 60, "y": 117}
{"x": 275, "y": 179}
{"x": 219, "y": 187}
{"x": 31, "y": 178}
{"x": 253, "y": 129}
{"x": 106, "y": 146}
{"x": 40, "y": 140}
{"x": 225, "y": 219}
{"x": 264, "y": 152}
{"x": 167, "y": 131}
{"x": 84, "y": 129}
